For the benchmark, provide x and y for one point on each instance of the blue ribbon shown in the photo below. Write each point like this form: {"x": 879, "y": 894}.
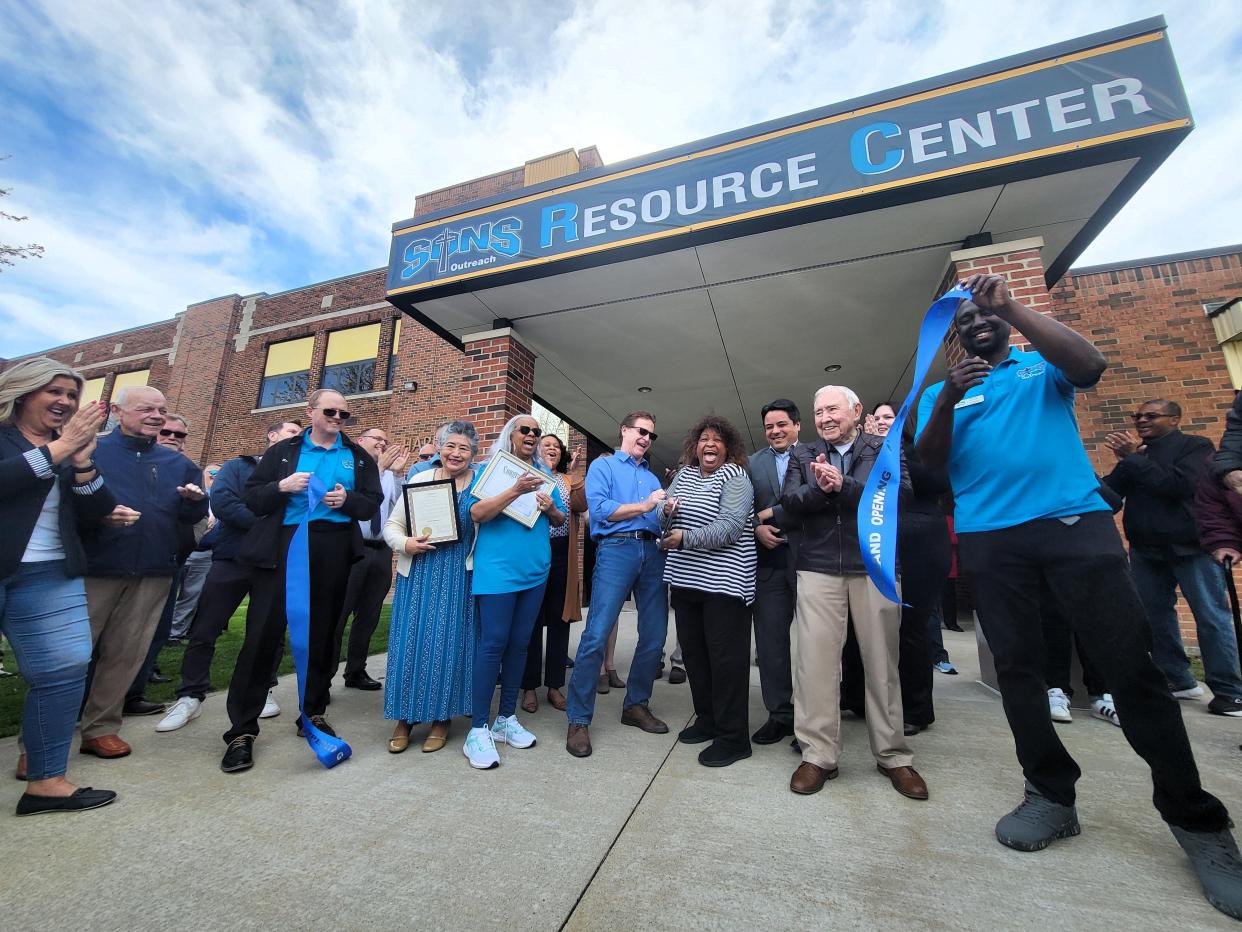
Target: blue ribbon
{"x": 330, "y": 751}
{"x": 877, "y": 509}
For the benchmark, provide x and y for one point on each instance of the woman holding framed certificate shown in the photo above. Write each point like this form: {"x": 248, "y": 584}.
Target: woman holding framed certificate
{"x": 516, "y": 500}
{"x": 431, "y": 638}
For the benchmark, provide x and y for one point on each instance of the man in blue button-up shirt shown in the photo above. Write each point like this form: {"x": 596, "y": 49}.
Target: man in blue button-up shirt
{"x": 623, "y": 496}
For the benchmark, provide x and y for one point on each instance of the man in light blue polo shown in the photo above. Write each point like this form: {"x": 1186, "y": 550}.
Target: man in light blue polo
{"x": 623, "y": 496}
{"x": 1029, "y": 518}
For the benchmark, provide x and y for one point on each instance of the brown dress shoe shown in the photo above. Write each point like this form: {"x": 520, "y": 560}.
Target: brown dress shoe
{"x": 578, "y": 741}
{"x": 906, "y": 781}
{"x": 614, "y": 680}
{"x": 602, "y": 686}
{"x": 810, "y": 778}
{"x": 105, "y": 746}
{"x": 640, "y": 717}
{"x": 556, "y": 699}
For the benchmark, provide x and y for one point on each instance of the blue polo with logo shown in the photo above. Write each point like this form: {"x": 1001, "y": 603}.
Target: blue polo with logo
{"x": 1016, "y": 451}
{"x": 333, "y": 465}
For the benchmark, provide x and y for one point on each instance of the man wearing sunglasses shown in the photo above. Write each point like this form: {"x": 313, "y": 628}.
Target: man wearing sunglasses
{"x": 1158, "y": 468}
{"x": 624, "y": 496}
{"x": 174, "y": 432}
{"x": 276, "y": 493}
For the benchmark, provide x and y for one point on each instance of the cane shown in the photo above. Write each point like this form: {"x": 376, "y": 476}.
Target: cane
{"x": 1233, "y": 604}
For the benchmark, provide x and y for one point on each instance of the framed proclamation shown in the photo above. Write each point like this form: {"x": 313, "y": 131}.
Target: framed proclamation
{"x": 431, "y": 509}
{"x": 501, "y": 472}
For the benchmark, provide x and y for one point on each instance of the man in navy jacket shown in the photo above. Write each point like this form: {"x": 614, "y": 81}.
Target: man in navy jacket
{"x": 132, "y": 558}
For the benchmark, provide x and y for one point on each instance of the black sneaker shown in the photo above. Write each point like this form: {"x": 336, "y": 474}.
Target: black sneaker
{"x": 83, "y": 798}
{"x": 1220, "y": 705}
{"x": 716, "y": 755}
{"x": 240, "y": 754}
{"x": 771, "y": 732}
{"x": 695, "y": 734}
{"x": 1037, "y": 823}
{"x": 1217, "y": 864}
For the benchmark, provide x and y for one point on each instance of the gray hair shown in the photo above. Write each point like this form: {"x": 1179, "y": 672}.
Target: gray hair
{"x": 121, "y": 398}
{"x": 28, "y": 376}
{"x": 460, "y": 429}
{"x": 851, "y": 398}
{"x": 177, "y": 417}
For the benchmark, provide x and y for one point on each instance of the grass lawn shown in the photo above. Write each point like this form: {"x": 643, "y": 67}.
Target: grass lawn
{"x": 13, "y": 688}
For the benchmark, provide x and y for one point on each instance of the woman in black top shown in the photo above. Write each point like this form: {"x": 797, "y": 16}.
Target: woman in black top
{"x": 49, "y": 490}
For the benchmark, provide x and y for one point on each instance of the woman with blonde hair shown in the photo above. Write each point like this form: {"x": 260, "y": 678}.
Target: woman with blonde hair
{"x": 49, "y": 491}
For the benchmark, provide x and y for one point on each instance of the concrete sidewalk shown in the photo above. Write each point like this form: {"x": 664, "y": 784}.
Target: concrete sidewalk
{"x": 638, "y": 836}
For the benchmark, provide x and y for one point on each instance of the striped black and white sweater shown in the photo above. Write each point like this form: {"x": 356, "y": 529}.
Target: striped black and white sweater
{"x": 715, "y": 516}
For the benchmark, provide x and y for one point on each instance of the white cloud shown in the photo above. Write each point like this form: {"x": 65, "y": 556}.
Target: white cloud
{"x": 310, "y": 127}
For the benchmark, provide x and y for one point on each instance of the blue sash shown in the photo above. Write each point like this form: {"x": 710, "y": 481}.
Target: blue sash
{"x": 330, "y": 751}
{"x": 877, "y": 509}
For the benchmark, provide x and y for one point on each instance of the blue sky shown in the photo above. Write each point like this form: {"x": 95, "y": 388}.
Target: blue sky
{"x": 167, "y": 153}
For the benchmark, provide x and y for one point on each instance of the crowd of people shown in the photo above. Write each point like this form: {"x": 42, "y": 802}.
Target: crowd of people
{"x": 118, "y": 542}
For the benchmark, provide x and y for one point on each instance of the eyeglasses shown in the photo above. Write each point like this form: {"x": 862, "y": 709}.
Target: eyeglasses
{"x": 336, "y": 412}
{"x": 179, "y": 434}
{"x": 527, "y": 431}
{"x": 643, "y": 432}
{"x": 1147, "y": 416}
{"x": 382, "y": 441}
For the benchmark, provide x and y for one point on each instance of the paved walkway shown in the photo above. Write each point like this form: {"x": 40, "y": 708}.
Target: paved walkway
{"x": 639, "y": 836}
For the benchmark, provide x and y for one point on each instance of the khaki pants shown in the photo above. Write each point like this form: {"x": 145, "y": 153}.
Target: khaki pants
{"x": 124, "y": 614}
{"x": 825, "y": 603}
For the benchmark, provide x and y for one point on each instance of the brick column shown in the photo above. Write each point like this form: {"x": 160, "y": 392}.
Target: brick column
{"x": 497, "y": 380}
{"x": 196, "y": 368}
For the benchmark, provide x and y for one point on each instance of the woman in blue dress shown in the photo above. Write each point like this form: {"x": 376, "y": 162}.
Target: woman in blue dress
{"x": 431, "y": 638}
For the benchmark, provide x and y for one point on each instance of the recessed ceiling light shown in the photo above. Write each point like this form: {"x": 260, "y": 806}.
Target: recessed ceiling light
{"x": 835, "y": 367}
{"x": 644, "y": 389}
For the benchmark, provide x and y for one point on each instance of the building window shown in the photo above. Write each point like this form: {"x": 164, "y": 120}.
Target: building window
{"x": 92, "y": 390}
{"x": 286, "y": 376}
{"x": 349, "y": 367}
{"x": 392, "y": 358}
{"x": 127, "y": 379}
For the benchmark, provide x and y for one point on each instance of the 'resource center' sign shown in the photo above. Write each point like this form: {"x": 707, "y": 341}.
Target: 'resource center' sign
{"x": 1117, "y": 91}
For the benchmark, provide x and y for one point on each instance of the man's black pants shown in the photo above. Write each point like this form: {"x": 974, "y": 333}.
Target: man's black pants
{"x": 1086, "y": 572}
{"x": 776, "y": 596}
{"x": 330, "y": 559}
{"x": 714, "y": 633}
{"x": 369, "y": 581}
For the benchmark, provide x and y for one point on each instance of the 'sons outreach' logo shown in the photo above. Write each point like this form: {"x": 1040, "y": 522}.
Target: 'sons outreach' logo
{"x": 451, "y": 249}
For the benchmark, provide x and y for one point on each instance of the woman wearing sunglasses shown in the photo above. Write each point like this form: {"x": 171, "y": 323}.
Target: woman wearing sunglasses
{"x": 511, "y": 563}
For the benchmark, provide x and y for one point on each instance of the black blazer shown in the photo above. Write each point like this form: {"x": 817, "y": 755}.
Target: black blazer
{"x": 263, "y": 496}
{"x": 22, "y": 493}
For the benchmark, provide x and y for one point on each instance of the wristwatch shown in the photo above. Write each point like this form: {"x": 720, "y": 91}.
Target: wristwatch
{"x": 90, "y": 467}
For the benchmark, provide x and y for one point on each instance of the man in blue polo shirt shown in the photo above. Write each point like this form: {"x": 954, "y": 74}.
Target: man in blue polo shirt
{"x": 623, "y": 496}
{"x": 1028, "y": 511}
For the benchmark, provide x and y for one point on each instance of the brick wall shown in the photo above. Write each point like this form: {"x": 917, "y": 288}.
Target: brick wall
{"x": 498, "y": 377}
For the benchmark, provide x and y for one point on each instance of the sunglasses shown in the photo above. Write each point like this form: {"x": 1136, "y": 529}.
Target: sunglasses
{"x": 212, "y": 472}
{"x": 179, "y": 434}
{"x": 527, "y": 431}
{"x": 643, "y": 432}
{"x": 336, "y": 412}
{"x": 425, "y": 456}
{"x": 1147, "y": 416}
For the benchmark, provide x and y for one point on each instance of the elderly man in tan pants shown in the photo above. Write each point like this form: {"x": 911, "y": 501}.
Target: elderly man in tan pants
{"x": 823, "y": 485}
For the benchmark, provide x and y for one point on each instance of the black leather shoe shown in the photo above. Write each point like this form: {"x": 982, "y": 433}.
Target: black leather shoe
{"x": 676, "y": 676}
{"x": 911, "y": 730}
{"x": 695, "y": 734}
{"x": 795, "y": 746}
{"x": 81, "y": 799}
{"x": 714, "y": 755}
{"x": 771, "y": 732}
{"x": 141, "y": 706}
{"x": 240, "y": 754}
{"x": 362, "y": 681}
{"x": 158, "y": 678}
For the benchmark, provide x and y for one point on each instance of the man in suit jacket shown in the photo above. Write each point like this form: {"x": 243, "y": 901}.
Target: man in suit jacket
{"x": 776, "y": 580}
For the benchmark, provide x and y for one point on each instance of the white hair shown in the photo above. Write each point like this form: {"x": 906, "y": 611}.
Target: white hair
{"x": 850, "y": 397}
{"x": 122, "y": 395}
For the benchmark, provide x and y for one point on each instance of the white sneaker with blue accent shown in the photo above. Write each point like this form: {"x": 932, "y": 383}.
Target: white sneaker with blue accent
{"x": 508, "y": 730}
{"x": 480, "y": 749}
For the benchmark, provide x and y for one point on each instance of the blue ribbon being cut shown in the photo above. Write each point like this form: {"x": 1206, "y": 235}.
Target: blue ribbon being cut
{"x": 877, "y": 509}
{"x": 330, "y": 751}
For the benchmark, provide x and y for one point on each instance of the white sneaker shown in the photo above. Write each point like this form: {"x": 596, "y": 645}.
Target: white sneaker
{"x": 1195, "y": 692}
{"x": 184, "y": 711}
{"x": 480, "y": 749}
{"x": 1102, "y": 707}
{"x": 508, "y": 730}
{"x": 1058, "y": 706}
{"x": 271, "y": 708}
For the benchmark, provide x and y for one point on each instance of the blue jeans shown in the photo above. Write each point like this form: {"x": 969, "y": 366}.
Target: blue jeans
{"x": 622, "y": 565}
{"x": 1202, "y": 581}
{"x": 505, "y": 623}
{"x": 43, "y": 614}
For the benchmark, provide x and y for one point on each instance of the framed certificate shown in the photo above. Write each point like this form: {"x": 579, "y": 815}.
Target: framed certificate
{"x": 501, "y": 472}
{"x": 431, "y": 509}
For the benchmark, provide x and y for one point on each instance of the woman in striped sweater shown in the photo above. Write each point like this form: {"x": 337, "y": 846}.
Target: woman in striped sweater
{"x": 710, "y": 570}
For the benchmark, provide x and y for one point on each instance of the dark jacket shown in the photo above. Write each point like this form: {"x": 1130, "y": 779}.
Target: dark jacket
{"x": 762, "y": 470}
{"x": 228, "y": 504}
{"x": 144, "y": 476}
{"x": 1159, "y": 488}
{"x": 829, "y": 537}
{"x": 22, "y": 493}
{"x": 1218, "y": 514}
{"x": 263, "y": 496}
{"x": 1229, "y": 456}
